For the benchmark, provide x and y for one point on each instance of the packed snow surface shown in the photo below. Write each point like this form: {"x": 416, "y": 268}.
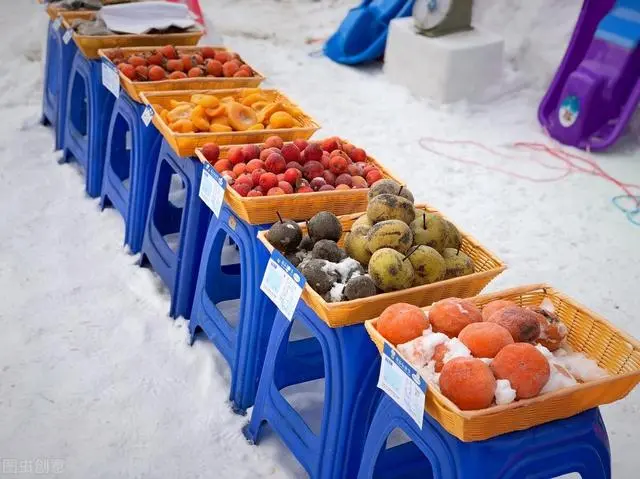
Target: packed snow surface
{"x": 94, "y": 376}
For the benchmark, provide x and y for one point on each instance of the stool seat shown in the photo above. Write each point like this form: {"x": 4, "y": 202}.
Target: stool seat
{"x": 89, "y": 106}
{"x": 577, "y": 444}
{"x": 243, "y": 341}
{"x": 130, "y": 160}
{"x": 176, "y": 227}
{"x": 349, "y": 363}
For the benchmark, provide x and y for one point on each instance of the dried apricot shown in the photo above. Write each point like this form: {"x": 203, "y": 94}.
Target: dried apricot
{"x": 182, "y": 126}
{"x": 199, "y": 118}
{"x": 281, "y": 119}
{"x": 241, "y": 117}
{"x": 217, "y": 128}
{"x": 207, "y": 101}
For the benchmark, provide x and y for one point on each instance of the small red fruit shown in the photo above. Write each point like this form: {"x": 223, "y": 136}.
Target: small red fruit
{"x": 264, "y": 154}
{"x": 312, "y": 169}
{"x": 211, "y": 152}
{"x": 168, "y": 51}
{"x": 156, "y": 73}
{"x": 240, "y": 168}
{"x": 268, "y": 181}
{"x": 230, "y": 176}
{"x": 256, "y": 174}
{"x": 317, "y": 183}
{"x": 246, "y": 179}
{"x": 253, "y": 165}
{"x": 251, "y": 152}
{"x": 175, "y": 66}
{"x": 275, "y": 142}
{"x": 326, "y": 160}
{"x": 327, "y": 188}
{"x": 342, "y": 187}
{"x": 242, "y": 188}
{"x": 275, "y": 163}
{"x": 241, "y": 74}
{"x": 358, "y": 154}
{"x": 354, "y": 169}
{"x": 330, "y": 144}
{"x": 294, "y": 164}
{"x": 290, "y": 152}
{"x": 313, "y": 152}
{"x": 222, "y": 56}
{"x": 208, "y": 52}
{"x": 142, "y": 73}
{"x": 286, "y": 187}
{"x": 128, "y": 70}
{"x": 329, "y": 177}
{"x": 305, "y": 189}
{"x": 214, "y": 67}
{"x": 177, "y": 75}
{"x": 344, "y": 179}
{"x": 254, "y": 193}
{"x": 222, "y": 165}
{"x": 292, "y": 175}
{"x": 154, "y": 59}
{"x": 301, "y": 144}
{"x": 195, "y": 72}
{"x": 229, "y": 69}
{"x": 236, "y": 155}
{"x": 275, "y": 191}
{"x": 373, "y": 176}
{"x": 338, "y": 165}
{"x": 359, "y": 182}
{"x": 137, "y": 61}
{"x": 186, "y": 62}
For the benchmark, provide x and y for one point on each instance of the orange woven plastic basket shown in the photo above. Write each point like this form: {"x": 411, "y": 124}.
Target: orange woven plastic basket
{"x": 90, "y": 45}
{"x": 297, "y": 206}
{"x": 346, "y": 313}
{"x": 134, "y": 88}
{"x": 185, "y": 144}
{"x": 53, "y": 11}
{"x": 589, "y": 333}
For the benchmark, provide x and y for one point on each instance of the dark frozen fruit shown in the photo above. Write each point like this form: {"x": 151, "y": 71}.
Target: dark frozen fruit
{"x": 325, "y": 225}
{"x": 285, "y": 235}
{"x": 359, "y": 287}
{"x": 318, "y": 276}
{"x": 329, "y": 250}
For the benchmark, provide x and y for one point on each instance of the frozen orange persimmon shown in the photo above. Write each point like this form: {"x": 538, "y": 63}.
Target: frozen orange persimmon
{"x": 552, "y": 331}
{"x": 468, "y": 383}
{"x": 522, "y": 323}
{"x": 402, "y": 322}
{"x": 524, "y": 366}
{"x": 485, "y": 340}
{"x": 494, "y": 306}
{"x": 451, "y": 315}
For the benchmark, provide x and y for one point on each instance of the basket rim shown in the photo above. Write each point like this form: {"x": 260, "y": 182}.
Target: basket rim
{"x": 370, "y": 325}
{"x": 102, "y": 52}
{"x": 355, "y": 303}
{"x": 145, "y": 96}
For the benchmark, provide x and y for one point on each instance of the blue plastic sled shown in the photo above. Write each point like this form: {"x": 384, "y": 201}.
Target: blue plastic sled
{"x": 362, "y": 35}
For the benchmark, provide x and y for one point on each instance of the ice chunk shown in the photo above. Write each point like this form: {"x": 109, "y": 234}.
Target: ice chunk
{"x": 455, "y": 349}
{"x": 335, "y": 294}
{"x": 430, "y": 375}
{"x": 419, "y": 351}
{"x": 487, "y": 361}
{"x": 558, "y": 379}
{"x": 505, "y": 394}
{"x": 347, "y": 268}
{"x": 548, "y": 306}
{"x": 579, "y": 366}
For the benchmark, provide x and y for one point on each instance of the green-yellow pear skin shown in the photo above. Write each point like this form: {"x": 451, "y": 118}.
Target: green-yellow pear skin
{"x": 356, "y": 244}
{"x": 389, "y": 271}
{"x": 390, "y": 234}
{"x": 428, "y": 265}
{"x": 454, "y": 238}
{"x": 362, "y": 221}
{"x": 389, "y": 187}
{"x": 458, "y": 264}
{"x": 390, "y": 207}
{"x": 429, "y": 229}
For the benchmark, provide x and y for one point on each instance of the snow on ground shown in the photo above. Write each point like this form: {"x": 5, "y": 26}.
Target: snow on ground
{"x": 94, "y": 373}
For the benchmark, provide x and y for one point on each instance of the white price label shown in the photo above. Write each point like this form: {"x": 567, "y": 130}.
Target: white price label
{"x": 68, "y": 35}
{"x": 403, "y": 384}
{"x": 282, "y": 283}
{"x": 147, "y": 114}
{"x": 110, "y": 77}
{"x": 212, "y": 187}
{"x": 56, "y": 23}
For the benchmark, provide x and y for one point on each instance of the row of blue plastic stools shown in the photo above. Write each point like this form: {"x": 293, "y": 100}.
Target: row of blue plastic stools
{"x": 130, "y": 166}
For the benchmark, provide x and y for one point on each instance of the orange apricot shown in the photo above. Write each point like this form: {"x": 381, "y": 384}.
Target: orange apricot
{"x": 524, "y": 366}
{"x": 402, "y": 322}
{"x": 468, "y": 383}
{"x": 450, "y": 316}
{"x": 485, "y": 340}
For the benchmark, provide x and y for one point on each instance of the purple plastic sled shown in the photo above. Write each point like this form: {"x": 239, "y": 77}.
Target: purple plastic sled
{"x": 596, "y": 90}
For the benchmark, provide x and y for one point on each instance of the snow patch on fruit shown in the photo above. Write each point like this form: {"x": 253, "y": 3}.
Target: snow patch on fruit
{"x": 505, "y": 394}
{"x": 420, "y": 351}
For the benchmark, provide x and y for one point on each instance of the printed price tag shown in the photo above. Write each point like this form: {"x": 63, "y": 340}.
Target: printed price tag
{"x": 110, "y": 77}
{"x": 147, "y": 114}
{"x": 282, "y": 283}
{"x": 56, "y": 23}
{"x": 212, "y": 187}
{"x": 68, "y": 35}
{"x": 403, "y": 384}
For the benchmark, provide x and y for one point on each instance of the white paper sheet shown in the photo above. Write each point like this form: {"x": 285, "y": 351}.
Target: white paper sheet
{"x": 142, "y": 17}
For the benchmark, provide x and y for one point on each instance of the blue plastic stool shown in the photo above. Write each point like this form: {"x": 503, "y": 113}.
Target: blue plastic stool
{"x": 130, "y": 160}
{"x": 351, "y": 366}
{"x": 188, "y": 222}
{"x": 89, "y": 106}
{"x": 56, "y": 76}
{"x": 577, "y": 444}
{"x": 243, "y": 345}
